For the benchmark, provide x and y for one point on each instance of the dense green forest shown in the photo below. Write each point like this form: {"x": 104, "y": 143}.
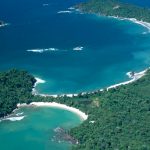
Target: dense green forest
{"x": 15, "y": 87}
{"x": 115, "y": 8}
{"x": 119, "y": 119}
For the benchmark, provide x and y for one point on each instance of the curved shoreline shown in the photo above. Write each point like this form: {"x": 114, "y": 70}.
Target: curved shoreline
{"x": 134, "y": 20}
{"x": 133, "y": 78}
{"x": 81, "y": 114}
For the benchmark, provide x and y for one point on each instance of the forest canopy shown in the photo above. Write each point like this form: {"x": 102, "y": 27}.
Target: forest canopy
{"x": 117, "y": 119}
{"x": 115, "y": 8}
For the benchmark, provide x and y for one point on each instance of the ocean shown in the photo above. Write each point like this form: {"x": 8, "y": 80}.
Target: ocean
{"x": 108, "y": 48}
{"x": 37, "y": 129}
{"x": 71, "y": 51}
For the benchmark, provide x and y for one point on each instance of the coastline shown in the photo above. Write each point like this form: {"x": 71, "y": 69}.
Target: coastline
{"x": 72, "y": 109}
{"x": 134, "y": 20}
{"x": 81, "y": 114}
{"x": 133, "y": 78}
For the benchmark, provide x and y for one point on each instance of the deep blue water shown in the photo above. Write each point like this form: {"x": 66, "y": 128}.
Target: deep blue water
{"x": 111, "y": 47}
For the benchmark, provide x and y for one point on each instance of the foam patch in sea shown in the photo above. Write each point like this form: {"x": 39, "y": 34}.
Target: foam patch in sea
{"x": 64, "y": 12}
{"x": 42, "y": 50}
{"x": 18, "y": 118}
{"x": 79, "y": 48}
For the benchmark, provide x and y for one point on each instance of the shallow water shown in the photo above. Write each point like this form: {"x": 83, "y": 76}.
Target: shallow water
{"x": 110, "y": 47}
{"x": 36, "y": 130}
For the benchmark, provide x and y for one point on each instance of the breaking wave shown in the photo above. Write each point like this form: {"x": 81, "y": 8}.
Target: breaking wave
{"x": 13, "y": 118}
{"x": 79, "y": 48}
{"x": 19, "y": 114}
{"x": 64, "y": 12}
{"x": 42, "y": 50}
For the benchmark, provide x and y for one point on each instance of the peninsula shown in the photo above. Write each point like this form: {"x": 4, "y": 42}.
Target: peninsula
{"x": 118, "y": 118}
{"x": 115, "y": 8}
{"x": 115, "y": 118}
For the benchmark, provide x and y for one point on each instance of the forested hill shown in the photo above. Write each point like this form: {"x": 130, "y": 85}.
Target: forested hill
{"x": 115, "y": 8}
{"x": 15, "y": 87}
{"x": 118, "y": 119}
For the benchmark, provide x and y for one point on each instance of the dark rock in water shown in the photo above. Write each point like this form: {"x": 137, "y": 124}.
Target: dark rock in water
{"x": 132, "y": 73}
{"x": 62, "y": 135}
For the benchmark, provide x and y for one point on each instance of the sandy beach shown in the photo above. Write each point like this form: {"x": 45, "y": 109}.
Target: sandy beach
{"x": 134, "y": 78}
{"x": 142, "y": 23}
{"x": 81, "y": 114}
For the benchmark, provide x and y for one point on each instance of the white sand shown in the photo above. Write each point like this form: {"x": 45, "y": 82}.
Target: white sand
{"x": 142, "y": 23}
{"x": 57, "y": 105}
{"x": 133, "y": 79}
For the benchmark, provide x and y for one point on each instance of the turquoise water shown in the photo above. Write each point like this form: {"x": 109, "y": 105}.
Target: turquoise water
{"x": 36, "y": 130}
{"x": 110, "y": 47}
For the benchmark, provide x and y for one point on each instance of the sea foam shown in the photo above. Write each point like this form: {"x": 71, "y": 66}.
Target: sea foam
{"x": 42, "y": 50}
{"x": 45, "y": 4}
{"x": 19, "y": 114}
{"x": 14, "y": 118}
{"x": 80, "y": 48}
{"x": 64, "y": 12}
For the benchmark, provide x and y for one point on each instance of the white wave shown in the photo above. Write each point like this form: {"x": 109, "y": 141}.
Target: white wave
{"x": 145, "y": 33}
{"x": 35, "y": 50}
{"x": 80, "y": 48}
{"x": 39, "y": 81}
{"x": 45, "y": 4}
{"x": 71, "y": 8}
{"x": 14, "y": 118}
{"x": 42, "y": 50}
{"x": 64, "y": 12}
{"x": 19, "y": 114}
{"x": 5, "y": 24}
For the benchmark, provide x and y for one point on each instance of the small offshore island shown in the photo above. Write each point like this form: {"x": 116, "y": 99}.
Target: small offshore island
{"x": 118, "y": 118}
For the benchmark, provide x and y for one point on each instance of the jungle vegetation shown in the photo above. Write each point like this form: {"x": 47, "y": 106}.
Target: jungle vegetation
{"x": 115, "y": 8}
{"x": 118, "y": 119}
